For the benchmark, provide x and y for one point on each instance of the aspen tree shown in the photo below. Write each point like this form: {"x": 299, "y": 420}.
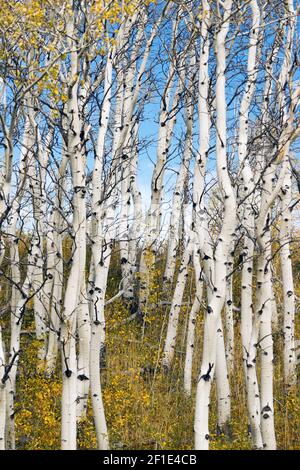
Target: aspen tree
{"x": 175, "y": 307}
{"x": 96, "y": 276}
{"x": 136, "y": 227}
{"x": 55, "y": 266}
{"x": 166, "y": 125}
{"x": 285, "y": 225}
{"x": 247, "y": 183}
{"x": 36, "y": 173}
{"x": 223, "y": 244}
{"x": 198, "y": 214}
{"x": 264, "y": 297}
{"x": 287, "y": 281}
{"x": 229, "y": 321}
{"x": 181, "y": 179}
{"x": 100, "y": 267}
{"x": 190, "y": 340}
{"x": 68, "y": 323}
{"x": 21, "y": 291}
{"x": 187, "y": 258}
{"x": 84, "y": 337}
{"x": 2, "y": 393}
{"x": 128, "y": 85}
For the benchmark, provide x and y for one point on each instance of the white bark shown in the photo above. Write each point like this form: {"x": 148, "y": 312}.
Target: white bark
{"x": 20, "y": 291}
{"x": 83, "y": 366}
{"x": 247, "y": 190}
{"x": 68, "y": 323}
{"x": 217, "y": 299}
{"x": 37, "y": 179}
{"x": 136, "y": 227}
{"x": 190, "y": 340}
{"x": 229, "y": 322}
{"x": 152, "y": 228}
{"x": 127, "y": 164}
{"x": 99, "y": 265}
{"x": 222, "y": 382}
{"x": 179, "y": 187}
{"x": 55, "y": 270}
{"x": 2, "y": 393}
{"x": 170, "y": 341}
{"x": 285, "y": 224}
{"x": 101, "y": 260}
{"x": 289, "y": 357}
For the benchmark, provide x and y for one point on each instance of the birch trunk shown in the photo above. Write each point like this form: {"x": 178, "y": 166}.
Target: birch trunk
{"x": 40, "y": 300}
{"x": 55, "y": 269}
{"x": 289, "y": 357}
{"x": 180, "y": 182}
{"x": 2, "y": 394}
{"x": 101, "y": 261}
{"x": 136, "y": 228}
{"x": 229, "y": 322}
{"x": 170, "y": 341}
{"x": 190, "y": 340}
{"x": 101, "y": 251}
{"x": 77, "y": 272}
{"x": 223, "y": 245}
{"x": 20, "y": 291}
{"x": 84, "y": 336}
{"x": 222, "y": 382}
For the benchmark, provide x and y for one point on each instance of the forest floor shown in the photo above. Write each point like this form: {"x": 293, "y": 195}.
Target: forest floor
{"x": 145, "y": 408}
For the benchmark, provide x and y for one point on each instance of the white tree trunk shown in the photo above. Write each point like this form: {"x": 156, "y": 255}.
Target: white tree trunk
{"x": 229, "y": 322}
{"x": 289, "y": 357}
{"x": 170, "y": 341}
{"x": 222, "y": 382}
{"x": 2, "y": 393}
{"x": 83, "y": 367}
{"x": 264, "y": 313}
{"x": 222, "y": 249}
{"x": 190, "y": 340}
{"x": 77, "y": 271}
{"x": 180, "y": 183}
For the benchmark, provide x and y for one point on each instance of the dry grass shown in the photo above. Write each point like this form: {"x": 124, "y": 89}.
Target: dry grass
{"x": 145, "y": 408}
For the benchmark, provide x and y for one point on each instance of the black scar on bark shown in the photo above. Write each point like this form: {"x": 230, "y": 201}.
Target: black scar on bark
{"x": 266, "y": 409}
{"x": 265, "y": 412}
{"x": 82, "y": 377}
{"x": 206, "y": 377}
